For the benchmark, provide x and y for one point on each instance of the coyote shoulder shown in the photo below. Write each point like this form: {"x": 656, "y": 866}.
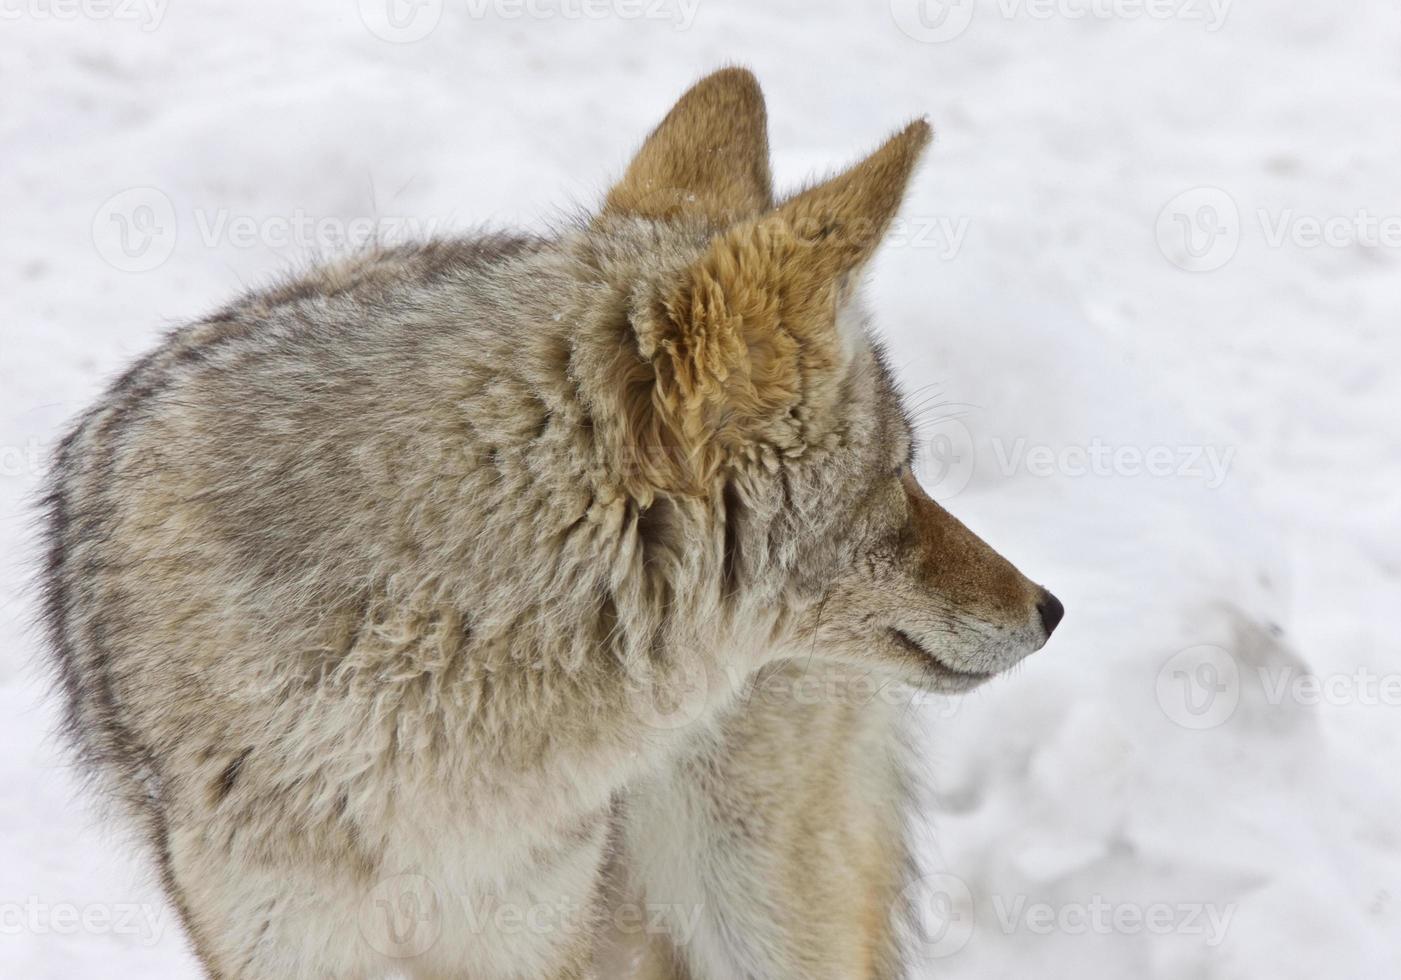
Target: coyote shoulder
{"x": 447, "y": 611}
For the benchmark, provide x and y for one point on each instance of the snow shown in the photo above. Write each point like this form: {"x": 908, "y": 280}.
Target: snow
{"x": 1199, "y": 777}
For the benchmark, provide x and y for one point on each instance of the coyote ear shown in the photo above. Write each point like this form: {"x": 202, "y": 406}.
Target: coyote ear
{"x": 745, "y": 345}
{"x": 844, "y": 218}
{"x": 709, "y": 156}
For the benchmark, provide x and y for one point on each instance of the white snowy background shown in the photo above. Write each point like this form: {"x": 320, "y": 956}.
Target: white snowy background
{"x": 1147, "y": 288}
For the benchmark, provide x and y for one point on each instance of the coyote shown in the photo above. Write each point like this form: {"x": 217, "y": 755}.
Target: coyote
{"x": 447, "y": 611}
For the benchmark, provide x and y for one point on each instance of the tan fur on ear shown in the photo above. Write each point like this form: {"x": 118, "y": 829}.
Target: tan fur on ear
{"x": 846, "y": 217}
{"x": 745, "y": 347}
{"x": 709, "y": 157}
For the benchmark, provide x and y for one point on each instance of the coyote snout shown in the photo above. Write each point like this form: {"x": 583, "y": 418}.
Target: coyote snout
{"x": 929, "y": 600}
{"x": 984, "y": 615}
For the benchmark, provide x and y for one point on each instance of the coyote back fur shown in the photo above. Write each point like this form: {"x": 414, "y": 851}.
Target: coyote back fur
{"x": 448, "y": 611}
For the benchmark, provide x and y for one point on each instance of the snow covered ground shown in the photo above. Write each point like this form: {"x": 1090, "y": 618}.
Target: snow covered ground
{"x": 1149, "y": 285}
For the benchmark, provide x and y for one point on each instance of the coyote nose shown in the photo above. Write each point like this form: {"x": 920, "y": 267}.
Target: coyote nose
{"x": 1051, "y": 611}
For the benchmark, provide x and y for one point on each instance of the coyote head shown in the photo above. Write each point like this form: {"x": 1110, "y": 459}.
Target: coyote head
{"x": 758, "y": 384}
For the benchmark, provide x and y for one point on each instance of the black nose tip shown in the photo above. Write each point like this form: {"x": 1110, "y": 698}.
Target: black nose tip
{"x": 1051, "y": 611}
